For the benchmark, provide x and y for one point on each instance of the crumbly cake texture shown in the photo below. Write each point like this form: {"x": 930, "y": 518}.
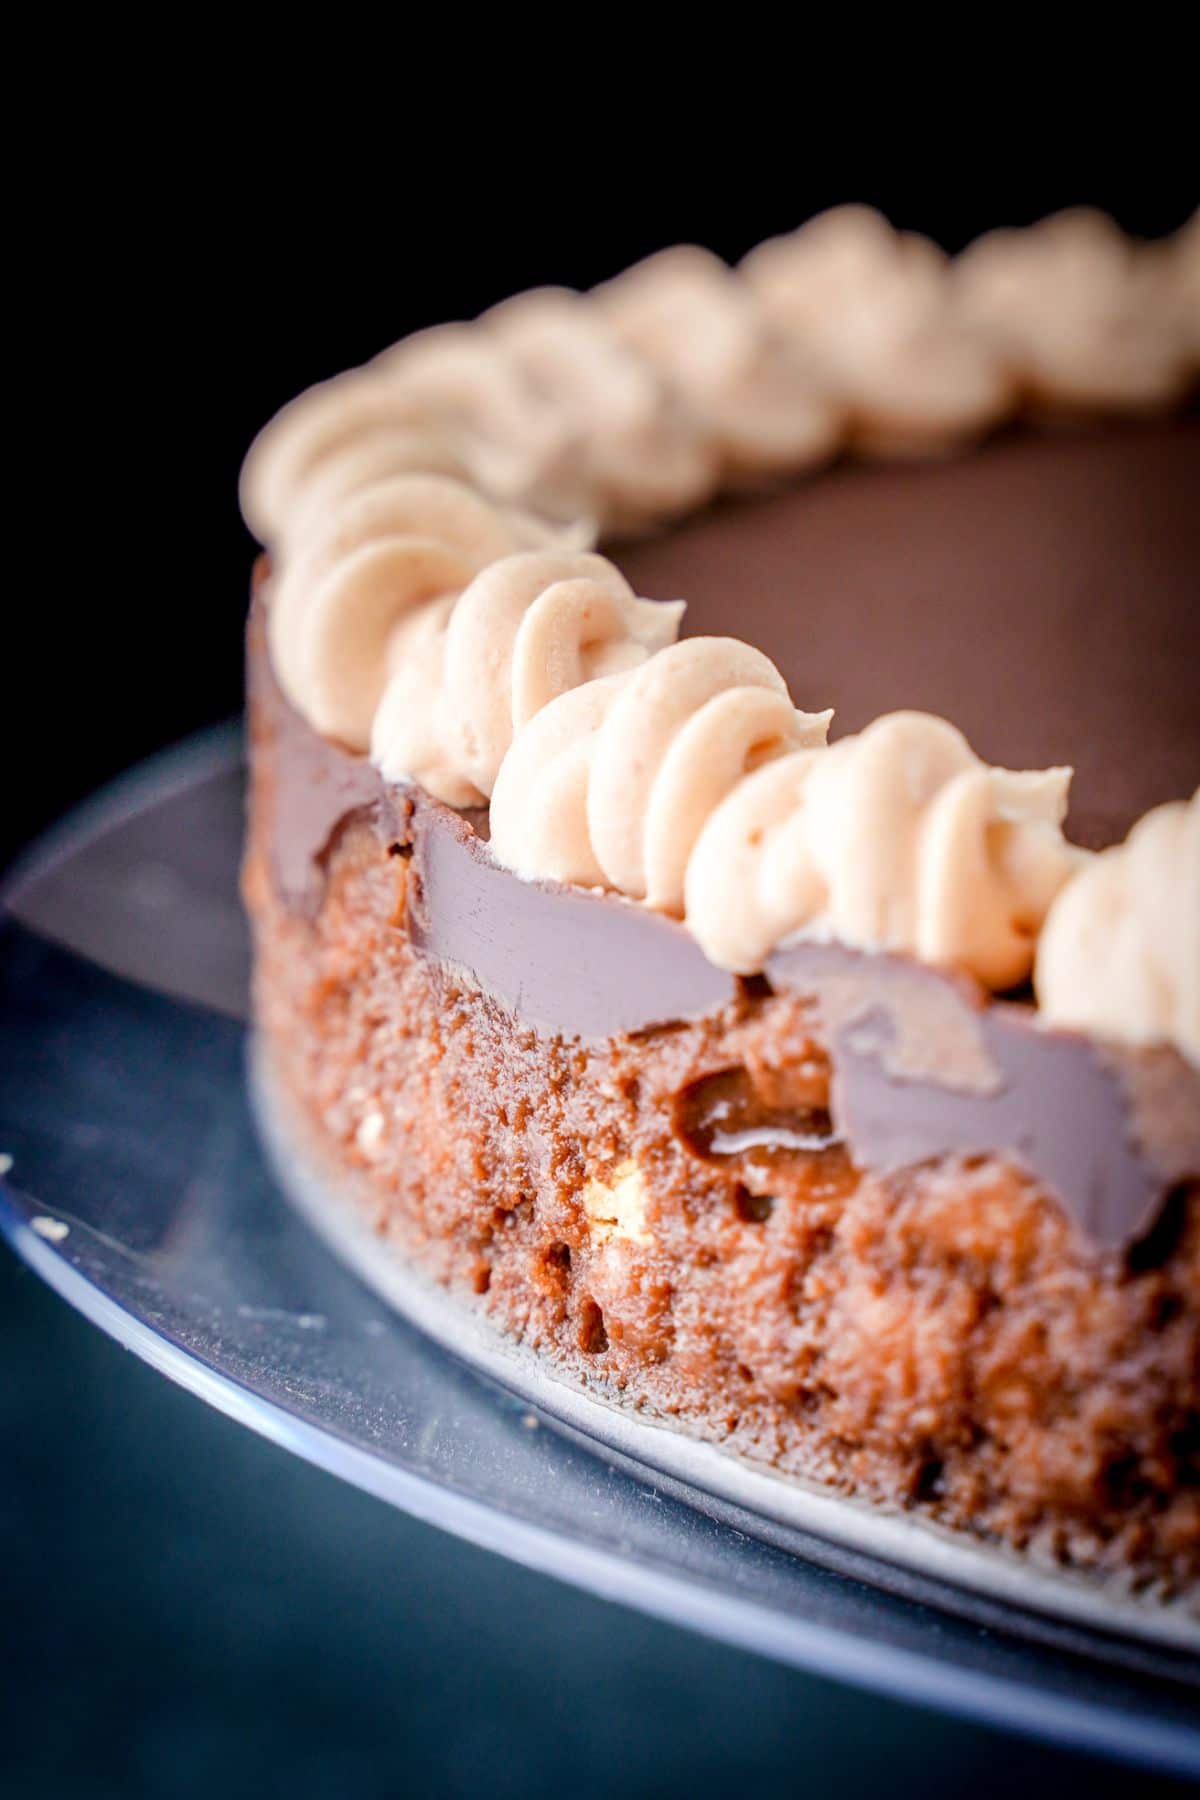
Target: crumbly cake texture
{"x": 940, "y": 1339}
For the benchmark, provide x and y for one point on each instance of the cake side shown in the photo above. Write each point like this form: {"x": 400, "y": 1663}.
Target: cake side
{"x": 672, "y": 1215}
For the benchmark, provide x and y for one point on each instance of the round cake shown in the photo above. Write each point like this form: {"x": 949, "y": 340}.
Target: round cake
{"x": 813, "y": 1080}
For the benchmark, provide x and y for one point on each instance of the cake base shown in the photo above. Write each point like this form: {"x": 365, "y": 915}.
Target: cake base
{"x": 779, "y": 1510}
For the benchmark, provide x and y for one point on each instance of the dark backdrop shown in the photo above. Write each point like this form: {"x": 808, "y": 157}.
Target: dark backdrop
{"x": 194, "y": 287}
{"x": 182, "y": 1609}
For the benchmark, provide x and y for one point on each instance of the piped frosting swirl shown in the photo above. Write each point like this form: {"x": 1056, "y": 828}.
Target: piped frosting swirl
{"x": 758, "y": 395}
{"x": 347, "y": 583}
{"x": 1120, "y": 951}
{"x": 898, "y": 838}
{"x": 471, "y": 671}
{"x": 871, "y": 307}
{"x": 1081, "y": 317}
{"x": 610, "y": 785}
{"x": 642, "y": 456}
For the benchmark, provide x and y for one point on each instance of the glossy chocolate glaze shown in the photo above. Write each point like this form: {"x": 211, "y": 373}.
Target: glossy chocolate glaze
{"x": 1061, "y": 1106}
{"x": 583, "y": 964}
{"x": 1044, "y": 594}
{"x": 588, "y": 965}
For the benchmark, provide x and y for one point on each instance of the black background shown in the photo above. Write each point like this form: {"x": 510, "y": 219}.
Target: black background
{"x": 189, "y": 283}
{"x": 185, "y": 1611}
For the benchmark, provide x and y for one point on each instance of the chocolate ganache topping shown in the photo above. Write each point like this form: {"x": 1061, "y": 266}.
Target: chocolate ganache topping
{"x": 1044, "y": 592}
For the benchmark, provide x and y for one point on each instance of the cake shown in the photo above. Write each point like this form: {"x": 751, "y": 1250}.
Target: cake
{"x": 830, "y": 1094}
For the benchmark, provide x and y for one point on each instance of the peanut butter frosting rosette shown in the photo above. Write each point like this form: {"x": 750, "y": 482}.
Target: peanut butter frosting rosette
{"x": 1133, "y": 914}
{"x": 1080, "y": 316}
{"x": 757, "y": 392}
{"x": 871, "y": 308}
{"x": 643, "y": 456}
{"x": 346, "y": 583}
{"x": 610, "y": 785}
{"x": 475, "y": 668}
{"x": 897, "y": 839}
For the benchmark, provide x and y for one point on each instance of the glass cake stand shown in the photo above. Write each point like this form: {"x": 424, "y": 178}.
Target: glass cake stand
{"x": 136, "y": 1182}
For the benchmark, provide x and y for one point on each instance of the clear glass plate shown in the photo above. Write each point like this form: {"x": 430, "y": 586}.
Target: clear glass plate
{"x": 139, "y": 1189}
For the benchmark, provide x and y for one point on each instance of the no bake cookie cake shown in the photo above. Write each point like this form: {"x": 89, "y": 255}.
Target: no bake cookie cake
{"x": 824, "y": 1082}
